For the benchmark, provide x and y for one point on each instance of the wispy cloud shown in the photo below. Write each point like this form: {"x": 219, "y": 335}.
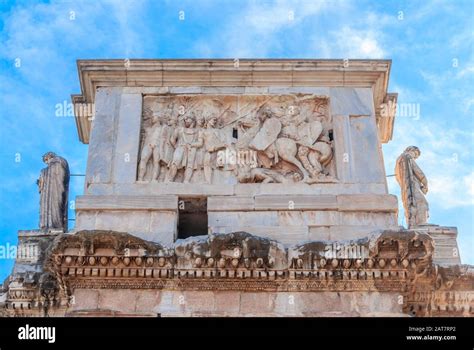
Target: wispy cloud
{"x": 353, "y": 43}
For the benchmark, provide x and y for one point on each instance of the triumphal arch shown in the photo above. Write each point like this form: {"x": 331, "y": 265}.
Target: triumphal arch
{"x": 241, "y": 188}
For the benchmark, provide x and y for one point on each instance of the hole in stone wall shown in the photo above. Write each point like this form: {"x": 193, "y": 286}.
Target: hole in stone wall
{"x": 331, "y": 136}
{"x": 235, "y": 133}
{"x": 192, "y": 217}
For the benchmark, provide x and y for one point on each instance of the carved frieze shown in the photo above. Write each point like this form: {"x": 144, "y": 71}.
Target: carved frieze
{"x": 229, "y": 139}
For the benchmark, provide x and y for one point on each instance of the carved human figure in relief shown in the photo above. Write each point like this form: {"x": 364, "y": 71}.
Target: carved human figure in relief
{"x": 150, "y": 150}
{"x": 53, "y": 185}
{"x": 185, "y": 141}
{"x": 294, "y": 139}
{"x": 414, "y": 186}
{"x": 201, "y": 128}
{"x": 211, "y": 144}
{"x": 165, "y": 146}
{"x": 268, "y": 140}
{"x": 314, "y": 148}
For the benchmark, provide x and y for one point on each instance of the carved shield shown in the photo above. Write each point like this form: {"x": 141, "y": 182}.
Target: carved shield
{"x": 266, "y": 135}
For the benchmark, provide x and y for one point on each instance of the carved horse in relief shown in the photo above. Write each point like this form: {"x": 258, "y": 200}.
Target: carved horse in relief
{"x": 277, "y": 141}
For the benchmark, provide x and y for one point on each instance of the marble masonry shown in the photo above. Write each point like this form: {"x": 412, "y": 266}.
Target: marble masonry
{"x": 238, "y": 188}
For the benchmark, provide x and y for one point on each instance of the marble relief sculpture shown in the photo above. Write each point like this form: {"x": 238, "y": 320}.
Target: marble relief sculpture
{"x": 414, "y": 186}
{"x": 151, "y": 149}
{"x": 288, "y": 136}
{"x": 211, "y": 144}
{"x": 53, "y": 185}
{"x": 185, "y": 143}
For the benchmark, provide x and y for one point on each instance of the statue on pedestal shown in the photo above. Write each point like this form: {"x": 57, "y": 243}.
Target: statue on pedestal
{"x": 53, "y": 185}
{"x": 414, "y": 186}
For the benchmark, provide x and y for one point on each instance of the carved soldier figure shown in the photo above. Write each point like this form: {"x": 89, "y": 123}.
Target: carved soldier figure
{"x": 53, "y": 185}
{"x": 150, "y": 149}
{"x": 166, "y": 148}
{"x": 185, "y": 140}
{"x": 211, "y": 143}
{"x": 314, "y": 151}
{"x": 414, "y": 186}
{"x": 201, "y": 128}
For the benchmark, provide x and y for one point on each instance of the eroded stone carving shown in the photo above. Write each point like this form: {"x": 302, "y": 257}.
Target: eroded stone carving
{"x": 388, "y": 261}
{"x": 53, "y": 185}
{"x": 151, "y": 149}
{"x": 414, "y": 186}
{"x": 203, "y": 139}
{"x": 233, "y": 250}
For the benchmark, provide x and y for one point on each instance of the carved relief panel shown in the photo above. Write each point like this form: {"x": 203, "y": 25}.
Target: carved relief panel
{"x": 226, "y": 139}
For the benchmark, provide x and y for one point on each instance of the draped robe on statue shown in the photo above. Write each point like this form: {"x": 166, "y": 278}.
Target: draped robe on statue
{"x": 53, "y": 187}
{"x": 413, "y": 185}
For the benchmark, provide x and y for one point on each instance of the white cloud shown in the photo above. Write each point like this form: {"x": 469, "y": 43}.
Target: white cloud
{"x": 357, "y": 43}
{"x": 448, "y": 189}
{"x": 255, "y": 30}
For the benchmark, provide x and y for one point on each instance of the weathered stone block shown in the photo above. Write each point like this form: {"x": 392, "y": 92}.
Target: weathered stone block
{"x": 85, "y": 220}
{"x": 388, "y": 220}
{"x": 367, "y": 202}
{"x": 120, "y": 202}
{"x": 228, "y": 203}
{"x": 319, "y": 233}
{"x": 252, "y": 304}
{"x": 227, "y": 303}
{"x": 123, "y": 300}
{"x": 235, "y": 219}
{"x": 102, "y": 138}
{"x": 342, "y": 232}
{"x": 289, "y": 202}
{"x": 85, "y": 299}
{"x": 147, "y": 299}
{"x": 351, "y": 101}
{"x": 128, "y": 139}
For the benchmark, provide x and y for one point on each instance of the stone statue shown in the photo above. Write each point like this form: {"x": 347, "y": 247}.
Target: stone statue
{"x": 151, "y": 149}
{"x": 53, "y": 185}
{"x": 414, "y": 186}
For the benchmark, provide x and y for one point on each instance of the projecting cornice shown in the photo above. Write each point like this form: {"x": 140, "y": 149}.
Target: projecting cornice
{"x": 233, "y": 73}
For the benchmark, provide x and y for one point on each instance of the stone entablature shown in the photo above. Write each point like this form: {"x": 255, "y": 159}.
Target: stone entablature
{"x": 245, "y": 76}
{"x": 390, "y": 273}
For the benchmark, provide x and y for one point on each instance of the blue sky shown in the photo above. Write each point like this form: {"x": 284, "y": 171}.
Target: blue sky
{"x": 430, "y": 43}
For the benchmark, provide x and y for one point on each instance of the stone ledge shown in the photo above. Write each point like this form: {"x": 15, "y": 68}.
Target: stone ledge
{"x": 289, "y": 202}
{"x": 367, "y": 202}
{"x": 225, "y": 203}
{"x": 344, "y": 203}
{"x": 38, "y": 233}
{"x": 445, "y": 240}
{"x": 254, "y": 189}
{"x": 127, "y": 202}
